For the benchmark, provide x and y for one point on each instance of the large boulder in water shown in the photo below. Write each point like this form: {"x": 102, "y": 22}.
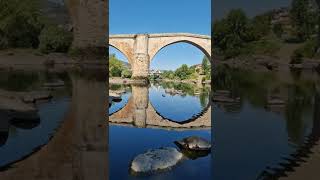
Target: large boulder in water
{"x": 194, "y": 143}
{"x": 155, "y": 160}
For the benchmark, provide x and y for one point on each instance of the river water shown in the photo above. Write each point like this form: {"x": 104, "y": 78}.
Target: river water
{"x": 265, "y": 124}
{"x": 166, "y": 116}
{"x": 270, "y": 129}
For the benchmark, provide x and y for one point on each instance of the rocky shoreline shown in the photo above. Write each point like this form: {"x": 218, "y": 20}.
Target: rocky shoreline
{"x": 266, "y": 63}
{"x": 30, "y": 59}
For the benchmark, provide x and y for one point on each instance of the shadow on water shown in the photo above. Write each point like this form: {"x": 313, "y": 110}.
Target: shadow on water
{"x": 70, "y": 134}
{"x": 277, "y": 111}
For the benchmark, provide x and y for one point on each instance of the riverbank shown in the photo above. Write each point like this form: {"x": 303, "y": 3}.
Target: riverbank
{"x": 188, "y": 81}
{"x": 261, "y": 63}
{"x": 31, "y": 59}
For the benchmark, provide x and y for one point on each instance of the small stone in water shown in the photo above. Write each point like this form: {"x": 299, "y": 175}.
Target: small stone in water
{"x": 156, "y": 159}
{"x": 194, "y": 143}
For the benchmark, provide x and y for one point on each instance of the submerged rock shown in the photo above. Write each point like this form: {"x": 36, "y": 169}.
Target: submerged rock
{"x": 155, "y": 160}
{"x": 34, "y": 96}
{"x": 194, "y": 143}
{"x": 58, "y": 83}
{"x": 4, "y": 127}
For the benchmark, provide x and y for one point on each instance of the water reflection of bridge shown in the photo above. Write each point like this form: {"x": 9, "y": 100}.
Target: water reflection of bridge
{"x": 139, "y": 112}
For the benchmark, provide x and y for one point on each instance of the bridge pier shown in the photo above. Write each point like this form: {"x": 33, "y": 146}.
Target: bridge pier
{"x": 141, "y": 59}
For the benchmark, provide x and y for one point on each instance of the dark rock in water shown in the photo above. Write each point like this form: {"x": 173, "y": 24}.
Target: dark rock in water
{"x": 4, "y": 127}
{"x": 23, "y": 124}
{"x": 26, "y": 117}
{"x": 3, "y": 137}
{"x": 194, "y": 143}
{"x": 32, "y": 97}
{"x": 155, "y": 160}
{"x": 194, "y": 154}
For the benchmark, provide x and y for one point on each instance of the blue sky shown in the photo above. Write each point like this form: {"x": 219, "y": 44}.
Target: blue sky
{"x": 162, "y": 16}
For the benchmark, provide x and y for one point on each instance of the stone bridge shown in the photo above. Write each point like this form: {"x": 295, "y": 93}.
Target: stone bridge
{"x": 90, "y": 22}
{"x": 139, "y": 112}
{"x": 140, "y": 49}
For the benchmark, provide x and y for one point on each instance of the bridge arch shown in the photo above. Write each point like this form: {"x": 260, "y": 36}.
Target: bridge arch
{"x": 125, "y": 49}
{"x": 156, "y": 51}
{"x": 201, "y": 42}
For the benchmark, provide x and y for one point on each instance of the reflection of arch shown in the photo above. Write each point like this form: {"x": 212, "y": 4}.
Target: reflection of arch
{"x": 192, "y": 119}
{"x": 125, "y": 116}
{"x": 127, "y": 107}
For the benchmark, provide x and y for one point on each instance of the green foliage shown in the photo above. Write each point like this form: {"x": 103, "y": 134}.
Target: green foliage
{"x": 54, "y": 39}
{"x": 183, "y": 72}
{"x": 297, "y": 57}
{"x": 117, "y": 68}
{"x": 126, "y": 73}
{"x": 303, "y": 19}
{"x": 233, "y": 33}
{"x": 308, "y": 50}
{"x": 20, "y": 23}
{"x": 278, "y": 30}
{"x": 263, "y": 47}
{"x": 230, "y": 34}
{"x": 206, "y": 66}
{"x": 261, "y": 25}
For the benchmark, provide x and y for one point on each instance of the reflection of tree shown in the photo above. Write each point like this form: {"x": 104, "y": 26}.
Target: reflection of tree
{"x": 18, "y": 80}
{"x": 204, "y": 97}
{"x": 298, "y": 100}
{"x": 251, "y": 85}
{"x": 316, "y": 114}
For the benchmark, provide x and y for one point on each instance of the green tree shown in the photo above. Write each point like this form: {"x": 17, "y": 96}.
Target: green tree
{"x": 54, "y": 39}
{"x": 183, "y": 72}
{"x": 206, "y": 67}
{"x": 278, "y": 30}
{"x": 260, "y": 26}
{"x": 115, "y": 66}
{"x": 302, "y": 18}
{"x": 231, "y": 34}
{"x": 20, "y": 23}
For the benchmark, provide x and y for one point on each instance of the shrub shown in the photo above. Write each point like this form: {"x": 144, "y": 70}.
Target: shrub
{"x": 296, "y": 57}
{"x": 126, "y": 73}
{"x": 309, "y": 48}
{"x": 54, "y": 39}
{"x": 20, "y": 23}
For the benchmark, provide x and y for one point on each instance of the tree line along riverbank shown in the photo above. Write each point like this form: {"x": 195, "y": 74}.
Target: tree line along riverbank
{"x": 288, "y": 36}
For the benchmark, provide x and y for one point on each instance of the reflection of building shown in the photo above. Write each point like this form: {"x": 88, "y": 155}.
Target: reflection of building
{"x": 198, "y": 68}
{"x": 155, "y": 72}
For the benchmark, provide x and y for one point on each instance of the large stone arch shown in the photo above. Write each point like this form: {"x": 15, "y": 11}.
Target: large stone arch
{"x": 201, "y": 42}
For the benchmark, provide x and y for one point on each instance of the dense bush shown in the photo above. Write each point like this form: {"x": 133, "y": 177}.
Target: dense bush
{"x": 54, "y": 39}
{"x": 296, "y": 57}
{"x": 309, "y": 49}
{"x": 20, "y": 23}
